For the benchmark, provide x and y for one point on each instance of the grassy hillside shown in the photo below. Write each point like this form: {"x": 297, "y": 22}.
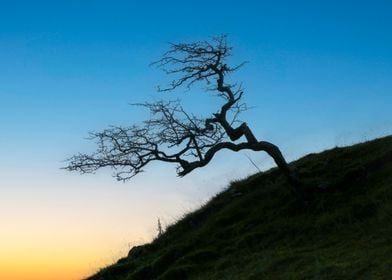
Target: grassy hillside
{"x": 257, "y": 229}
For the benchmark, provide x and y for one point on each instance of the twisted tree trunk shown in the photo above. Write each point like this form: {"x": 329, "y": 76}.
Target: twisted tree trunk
{"x": 274, "y": 152}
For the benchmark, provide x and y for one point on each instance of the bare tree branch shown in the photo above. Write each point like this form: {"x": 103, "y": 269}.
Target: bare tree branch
{"x": 172, "y": 134}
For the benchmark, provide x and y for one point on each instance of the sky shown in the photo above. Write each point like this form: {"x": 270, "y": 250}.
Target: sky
{"x": 318, "y": 76}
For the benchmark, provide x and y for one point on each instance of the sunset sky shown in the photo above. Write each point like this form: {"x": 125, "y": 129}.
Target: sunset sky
{"x": 319, "y": 75}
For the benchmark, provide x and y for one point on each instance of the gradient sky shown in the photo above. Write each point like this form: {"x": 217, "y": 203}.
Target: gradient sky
{"x": 319, "y": 75}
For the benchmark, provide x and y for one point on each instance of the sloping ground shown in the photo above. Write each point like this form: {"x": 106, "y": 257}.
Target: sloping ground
{"x": 257, "y": 229}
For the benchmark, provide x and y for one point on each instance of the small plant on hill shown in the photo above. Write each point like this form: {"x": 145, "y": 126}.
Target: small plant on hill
{"x": 159, "y": 228}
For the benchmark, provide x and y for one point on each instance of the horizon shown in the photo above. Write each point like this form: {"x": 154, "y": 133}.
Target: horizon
{"x": 318, "y": 77}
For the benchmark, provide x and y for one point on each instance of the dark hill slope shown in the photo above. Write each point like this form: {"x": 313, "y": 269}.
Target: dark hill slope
{"x": 257, "y": 229}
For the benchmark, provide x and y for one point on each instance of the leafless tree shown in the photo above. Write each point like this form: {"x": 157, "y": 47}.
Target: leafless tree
{"x": 175, "y": 136}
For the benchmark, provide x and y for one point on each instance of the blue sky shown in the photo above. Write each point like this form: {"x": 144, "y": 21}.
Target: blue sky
{"x": 319, "y": 75}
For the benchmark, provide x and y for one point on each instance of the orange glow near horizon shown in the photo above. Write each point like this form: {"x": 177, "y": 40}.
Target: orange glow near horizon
{"x": 42, "y": 268}
{"x": 60, "y": 257}
{"x": 68, "y": 231}
{"x": 50, "y": 234}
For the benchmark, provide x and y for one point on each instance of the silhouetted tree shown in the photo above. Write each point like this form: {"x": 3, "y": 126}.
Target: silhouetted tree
{"x": 175, "y": 136}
